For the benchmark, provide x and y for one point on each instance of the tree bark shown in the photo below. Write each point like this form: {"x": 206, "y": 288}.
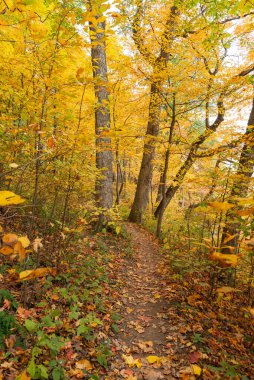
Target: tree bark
{"x": 104, "y": 156}
{"x": 239, "y": 188}
{"x": 159, "y": 64}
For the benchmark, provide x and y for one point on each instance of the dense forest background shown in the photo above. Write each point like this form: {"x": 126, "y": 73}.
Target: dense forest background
{"x": 113, "y": 111}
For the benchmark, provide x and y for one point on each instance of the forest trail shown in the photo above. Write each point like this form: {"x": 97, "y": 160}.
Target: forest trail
{"x": 146, "y": 342}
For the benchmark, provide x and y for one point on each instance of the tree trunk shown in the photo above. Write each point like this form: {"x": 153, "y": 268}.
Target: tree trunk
{"x": 239, "y": 188}
{"x": 159, "y": 64}
{"x": 145, "y": 174}
{"x": 104, "y": 156}
{"x": 165, "y": 170}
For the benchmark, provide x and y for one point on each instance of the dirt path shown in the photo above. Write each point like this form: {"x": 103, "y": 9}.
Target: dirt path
{"x": 146, "y": 343}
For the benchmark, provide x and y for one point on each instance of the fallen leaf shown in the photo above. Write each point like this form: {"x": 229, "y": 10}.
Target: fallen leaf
{"x": 84, "y": 364}
{"x": 13, "y": 165}
{"x": 24, "y": 241}
{"x": 6, "y": 251}
{"x": 34, "y": 273}
{"x": 10, "y": 239}
{"x": 8, "y": 198}
{"x": 19, "y": 250}
{"x": 151, "y": 374}
{"x": 193, "y": 299}
{"x": 195, "y": 356}
{"x": 6, "y": 305}
{"x": 37, "y": 243}
{"x": 146, "y": 346}
{"x": 24, "y": 376}
{"x": 153, "y": 359}
{"x": 196, "y": 369}
{"x": 130, "y": 361}
{"x": 226, "y": 289}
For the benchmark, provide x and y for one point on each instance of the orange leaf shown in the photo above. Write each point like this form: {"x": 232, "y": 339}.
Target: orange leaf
{"x": 10, "y": 239}
{"x": 20, "y": 250}
{"x": 51, "y": 142}
{"x": 6, "y": 250}
{"x": 24, "y": 376}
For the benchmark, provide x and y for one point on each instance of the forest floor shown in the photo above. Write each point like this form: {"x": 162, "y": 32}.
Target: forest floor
{"x": 121, "y": 308}
{"x": 171, "y": 327}
{"x": 147, "y": 340}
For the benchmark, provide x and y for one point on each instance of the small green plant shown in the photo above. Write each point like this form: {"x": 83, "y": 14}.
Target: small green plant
{"x": 51, "y": 342}
{"x": 103, "y": 353}
{"x": 197, "y": 338}
{"x": 7, "y": 325}
{"x": 227, "y": 370}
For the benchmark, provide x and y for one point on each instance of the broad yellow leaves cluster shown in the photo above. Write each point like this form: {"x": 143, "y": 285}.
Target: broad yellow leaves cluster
{"x": 35, "y": 273}
{"x": 14, "y": 246}
{"x": 8, "y": 198}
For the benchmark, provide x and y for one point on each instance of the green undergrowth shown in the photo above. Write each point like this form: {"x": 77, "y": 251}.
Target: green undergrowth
{"x": 68, "y": 319}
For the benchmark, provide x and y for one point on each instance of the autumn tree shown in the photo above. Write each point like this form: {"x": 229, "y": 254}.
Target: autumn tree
{"x": 208, "y": 23}
{"x": 239, "y": 188}
{"x": 104, "y": 157}
{"x": 158, "y": 64}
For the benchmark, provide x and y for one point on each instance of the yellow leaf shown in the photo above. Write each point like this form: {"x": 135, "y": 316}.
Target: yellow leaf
{"x": 153, "y": 359}
{"x": 13, "y": 165}
{"x": 24, "y": 241}
{"x": 196, "y": 369}
{"x": 9, "y": 198}
{"x": 226, "y": 289}
{"x": 34, "y": 273}
{"x": 226, "y": 260}
{"x": 222, "y": 206}
{"x": 24, "y": 376}
{"x": 245, "y": 201}
{"x": 84, "y": 364}
{"x": 130, "y": 361}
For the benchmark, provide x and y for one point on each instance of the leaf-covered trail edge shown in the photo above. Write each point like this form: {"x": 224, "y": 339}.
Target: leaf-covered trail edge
{"x": 147, "y": 344}
{"x": 170, "y": 327}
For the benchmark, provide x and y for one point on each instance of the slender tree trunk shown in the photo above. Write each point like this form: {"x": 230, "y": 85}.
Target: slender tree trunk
{"x": 104, "y": 156}
{"x": 165, "y": 170}
{"x": 240, "y": 187}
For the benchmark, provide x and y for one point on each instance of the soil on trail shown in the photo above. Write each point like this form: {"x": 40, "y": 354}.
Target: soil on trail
{"x": 146, "y": 342}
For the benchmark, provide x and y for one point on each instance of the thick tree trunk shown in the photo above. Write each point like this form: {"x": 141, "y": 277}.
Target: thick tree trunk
{"x": 145, "y": 175}
{"x": 239, "y": 188}
{"x": 104, "y": 156}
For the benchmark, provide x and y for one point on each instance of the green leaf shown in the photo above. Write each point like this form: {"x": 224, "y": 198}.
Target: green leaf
{"x": 115, "y": 328}
{"x": 102, "y": 360}
{"x": 43, "y": 371}
{"x": 57, "y": 373}
{"x": 31, "y": 326}
{"x": 31, "y": 369}
{"x": 82, "y": 330}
